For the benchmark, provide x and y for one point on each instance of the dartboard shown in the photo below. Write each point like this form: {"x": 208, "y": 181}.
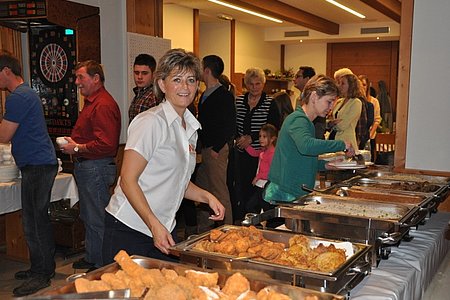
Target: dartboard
{"x": 52, "y": 59}
{"x": 53, "y": 62}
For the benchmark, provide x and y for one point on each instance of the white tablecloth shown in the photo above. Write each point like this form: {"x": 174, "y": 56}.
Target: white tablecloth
{"x": 410, "y": 267}
{"x": 63, "y": 188}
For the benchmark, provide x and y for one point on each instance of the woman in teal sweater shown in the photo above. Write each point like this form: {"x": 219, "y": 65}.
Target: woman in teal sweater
{"x": 295, "y": 160}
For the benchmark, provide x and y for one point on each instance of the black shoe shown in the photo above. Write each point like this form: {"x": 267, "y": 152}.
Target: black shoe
{"x": 27, "y": 274}
{"x": 82, "y": 264}
{"x": 31, "y": 286}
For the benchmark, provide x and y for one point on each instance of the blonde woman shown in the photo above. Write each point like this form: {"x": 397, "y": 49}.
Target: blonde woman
{"x": 347, "y": 110}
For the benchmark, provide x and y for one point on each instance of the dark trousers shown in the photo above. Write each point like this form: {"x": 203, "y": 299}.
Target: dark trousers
{"x": 119, "y": 236}
{"x": 244, "y": 171}
{"x": 94, "y": 177}
{"x": 256, "y": 203}
{"x": 36, "y": 187}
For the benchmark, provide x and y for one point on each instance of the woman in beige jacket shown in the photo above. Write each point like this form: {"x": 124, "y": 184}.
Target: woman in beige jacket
{"x": 347, "y": 110}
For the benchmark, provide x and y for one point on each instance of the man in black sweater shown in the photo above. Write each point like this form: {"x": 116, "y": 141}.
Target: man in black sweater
{"x": 217, "y": 115}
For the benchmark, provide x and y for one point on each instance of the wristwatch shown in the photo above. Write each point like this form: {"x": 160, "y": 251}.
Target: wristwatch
{"x": 76, "y": 149}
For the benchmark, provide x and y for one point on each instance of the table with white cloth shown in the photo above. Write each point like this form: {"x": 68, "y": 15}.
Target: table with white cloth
{"x": 64, "y": 187}
{"x": 411, "y": 266}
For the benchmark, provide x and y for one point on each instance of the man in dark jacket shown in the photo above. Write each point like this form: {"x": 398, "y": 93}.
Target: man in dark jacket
{"x": 217, "y": 115}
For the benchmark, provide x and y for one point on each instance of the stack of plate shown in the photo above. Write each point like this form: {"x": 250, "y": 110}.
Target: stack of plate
{"x": 8, "y": 172}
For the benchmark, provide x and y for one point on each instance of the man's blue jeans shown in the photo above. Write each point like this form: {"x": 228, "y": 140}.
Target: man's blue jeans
{"x": 94, "y": 177}
{"x": 36, "y": 188}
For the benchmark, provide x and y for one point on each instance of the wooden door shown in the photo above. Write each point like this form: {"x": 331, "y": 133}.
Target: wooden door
{"x": 377, "y": 60}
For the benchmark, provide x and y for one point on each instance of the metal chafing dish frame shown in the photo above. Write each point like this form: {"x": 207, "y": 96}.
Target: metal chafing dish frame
{"x": 431, "y": 199}
{"x": 441, "y": 181}
{"x": 346, "y": 277}
{"x": 380, "y": 233}
{"x": 68, "y": 291}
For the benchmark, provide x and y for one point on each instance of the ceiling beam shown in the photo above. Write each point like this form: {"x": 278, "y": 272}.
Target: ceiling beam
{"x": 289, "y": 13}
{"x": 390, "y": 8}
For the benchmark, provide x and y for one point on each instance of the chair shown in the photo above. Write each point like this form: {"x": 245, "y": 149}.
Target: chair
{"x": 384, "y": 148}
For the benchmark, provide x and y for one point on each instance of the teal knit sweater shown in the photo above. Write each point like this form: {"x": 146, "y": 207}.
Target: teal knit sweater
{"x": 295, "y": 160}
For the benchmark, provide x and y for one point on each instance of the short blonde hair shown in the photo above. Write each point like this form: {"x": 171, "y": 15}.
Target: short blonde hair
{"x": 341, "y": 72}
{"x": 254, "y": 73}
{"x": 175, "y": 59}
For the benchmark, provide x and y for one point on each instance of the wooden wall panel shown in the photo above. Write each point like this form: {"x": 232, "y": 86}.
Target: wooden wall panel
{"x": 11, "y": 42}
{"x": 377, "y": 60}
{"x": 145, "y": 17}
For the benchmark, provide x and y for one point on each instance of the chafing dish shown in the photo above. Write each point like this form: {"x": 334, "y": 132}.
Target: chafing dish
{"x": 68, "y": 291}
{"x": 339, "y": 281}
{"x": 380, "y": 231}
{"x": 424, "y": 190}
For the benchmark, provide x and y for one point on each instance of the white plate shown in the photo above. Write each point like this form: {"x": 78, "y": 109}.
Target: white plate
{"x": 343, "y": 166}
{"x": 369, "y": 163}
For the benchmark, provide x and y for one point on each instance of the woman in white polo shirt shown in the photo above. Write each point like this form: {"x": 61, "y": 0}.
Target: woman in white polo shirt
{"x": 158, "y": 161}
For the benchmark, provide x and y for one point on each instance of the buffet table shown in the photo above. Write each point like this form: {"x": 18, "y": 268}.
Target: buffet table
{"x": 63, "y": 188}
{"x": 411, "y": 266}
{"x": 10, "y": 204}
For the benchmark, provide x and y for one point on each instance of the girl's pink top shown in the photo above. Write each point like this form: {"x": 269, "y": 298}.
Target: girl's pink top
{"x": 265, "y": 160}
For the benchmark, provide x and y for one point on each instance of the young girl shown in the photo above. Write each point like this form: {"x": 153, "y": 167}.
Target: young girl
{"x": 267, "y": 138}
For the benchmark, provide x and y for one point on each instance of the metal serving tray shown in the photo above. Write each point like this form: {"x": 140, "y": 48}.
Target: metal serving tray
{"x": 340, "y": 281}
{"x": 68, "y": 291}
{"x": 386, "y": 183}
{"x": 376, "y": 231}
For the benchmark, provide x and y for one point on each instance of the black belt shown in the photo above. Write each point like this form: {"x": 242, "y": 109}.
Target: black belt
{"x": 79, "y": 159}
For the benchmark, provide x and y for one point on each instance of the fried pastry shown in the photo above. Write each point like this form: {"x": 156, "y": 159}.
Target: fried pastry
{"x": 83, "y": 285}
{"x": 169, "y": 275}
{"x": 268, "y": 294}
{"x": 328, "y": 261}
{"x": 236, "y": 284}
{"x": 202, "y": 278}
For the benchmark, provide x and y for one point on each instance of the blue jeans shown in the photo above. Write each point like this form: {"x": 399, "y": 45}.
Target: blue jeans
{"x": 36, "y": 188}
{"x": 94, "y": 177}
{"x": 119, "y": 236}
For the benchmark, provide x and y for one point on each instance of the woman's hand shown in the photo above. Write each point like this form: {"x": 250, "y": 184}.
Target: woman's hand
{"x": 195, "y": 193}
{"x": 244, "y": 141}
{"x": 349, "y": 150}
{"x": 217, "y": 208}
{"x": 162, "y": 239}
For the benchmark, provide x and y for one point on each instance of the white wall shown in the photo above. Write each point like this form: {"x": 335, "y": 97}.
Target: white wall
{"x": 428, "y": 137}
{"x": 113, "y": 52}
{"x": 348, "y": 32}
{"x": 215, "y": 39}
{"x": 253, "y": 51}
{"x": 178, "y": 26}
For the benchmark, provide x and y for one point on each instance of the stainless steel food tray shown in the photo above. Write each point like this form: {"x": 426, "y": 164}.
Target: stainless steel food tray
{"x": 386, "y": 184}
{"x": 263, "y": 281}
{"x": 390, "y": 175}
{"x": 378, "y": 232}
{"x": 339, "y": 281}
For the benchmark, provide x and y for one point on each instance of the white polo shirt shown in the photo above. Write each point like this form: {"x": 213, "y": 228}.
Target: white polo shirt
{"x": 157, "y": 134}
